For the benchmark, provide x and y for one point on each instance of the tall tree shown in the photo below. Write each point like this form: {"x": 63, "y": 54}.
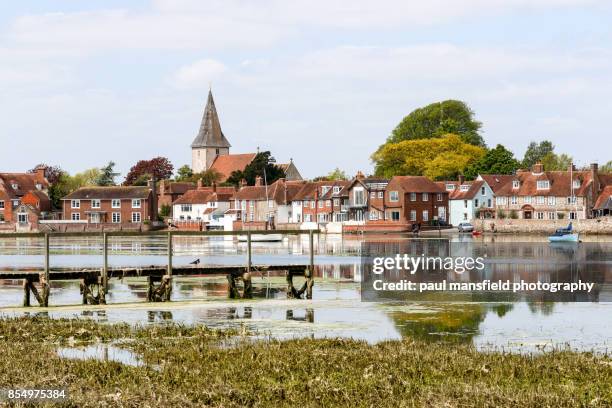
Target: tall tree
{"x": 160, "y": 167}
{"x": 438, "y": 119}
{"x": 606, "y": 168}
{"x": 66, "y": 184}
{"x": 536, "y": 151}
{"x": 495, "y": 161}
{"x": 208, "y": 177}
{"x": 437, "y": 158}
{"x": 107, "y": 175}
{"x": 552, "y": 161}
{"x": 184, "y": 173}
{"x": 262, "y": 161}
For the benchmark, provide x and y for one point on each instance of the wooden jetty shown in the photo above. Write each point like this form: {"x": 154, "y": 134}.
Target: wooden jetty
{"x": 94, "y": 281}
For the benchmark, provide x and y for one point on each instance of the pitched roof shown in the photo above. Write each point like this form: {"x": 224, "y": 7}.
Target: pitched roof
{"x": 560, "y": 184}
{"x": 311, "y": 189}
{"x": 210, "y": 134}
{"x": 107, "y": 193}
{"x": 496, "y": 181}
{"x": 604, "y": 200}
{"x": 176, "y": 187}
{"x": 206, "y": 195}
{"x": 228, "y": 163}
{"x": 417, "y": 184}
{"x": 457, "y": 194}
{"x": 25, "y": 182}
{"x": 281, "y": 191}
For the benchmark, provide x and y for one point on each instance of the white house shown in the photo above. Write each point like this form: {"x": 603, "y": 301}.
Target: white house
{"x": 205, "y": 205}
{"x": 469, "y": 200}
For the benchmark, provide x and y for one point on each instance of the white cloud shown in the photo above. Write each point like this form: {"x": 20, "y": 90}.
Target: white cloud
{"x": 199, "y": 74}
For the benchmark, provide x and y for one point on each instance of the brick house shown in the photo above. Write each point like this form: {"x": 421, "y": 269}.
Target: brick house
{"x": 15, "y": 186}
{"x": 170, "y": 191}
{"x": 415, "y": 199}
{"x": 115, "y": 205}
{"x": 366, "y": 198}
{"x": 321, "y": 202}
{"x": 539, "y": 194}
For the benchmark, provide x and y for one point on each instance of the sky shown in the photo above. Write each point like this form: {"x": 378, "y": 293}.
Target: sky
{"x": 321, "y": 82}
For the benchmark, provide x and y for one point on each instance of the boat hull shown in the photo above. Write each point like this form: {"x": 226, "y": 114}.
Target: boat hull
{"x": 262, "y": 238}
{"x": 563, "y": 238}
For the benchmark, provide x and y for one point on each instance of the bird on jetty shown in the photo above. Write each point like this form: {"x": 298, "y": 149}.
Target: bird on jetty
{"x": 197, "y": 261}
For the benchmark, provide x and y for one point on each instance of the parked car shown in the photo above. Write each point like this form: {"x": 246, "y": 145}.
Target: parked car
{"x": 465, "y": 227}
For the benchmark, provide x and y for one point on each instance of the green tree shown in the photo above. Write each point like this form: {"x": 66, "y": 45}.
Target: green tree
{"x": 496, "y": 161}
{"x": 66, "y": 184}
{"x": 552, "y": 161}
{"x": 208, "y": 177}
{"x": 536, "y": 151}
{"x": 438, "y": 119}
{"x": 335, "y": 174}
{"x": 437, "y": 158}
{"x": 107, "y": 175}
{"x": 262, "y": 161}
{"x": 184, "y": 173}
{"x": 606, "y": 168}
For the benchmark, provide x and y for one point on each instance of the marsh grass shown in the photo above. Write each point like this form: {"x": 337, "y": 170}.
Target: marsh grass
{"x": 187, "y": 367}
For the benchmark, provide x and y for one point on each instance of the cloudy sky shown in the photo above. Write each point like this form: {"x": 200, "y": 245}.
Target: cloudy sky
{"x": 322, "y": 82}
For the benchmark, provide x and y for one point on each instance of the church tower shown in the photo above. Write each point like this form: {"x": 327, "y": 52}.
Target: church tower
{"x": 210, "y": 141}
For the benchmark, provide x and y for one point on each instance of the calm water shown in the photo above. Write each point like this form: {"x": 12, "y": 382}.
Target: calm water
{"x": 336, "y": 309}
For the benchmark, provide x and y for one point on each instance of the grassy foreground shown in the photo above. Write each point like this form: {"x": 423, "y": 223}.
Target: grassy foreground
{"x": 187, "y": 367}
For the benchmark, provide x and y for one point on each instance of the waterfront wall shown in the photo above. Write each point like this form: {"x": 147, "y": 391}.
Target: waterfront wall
{"x": 601, "y": 225}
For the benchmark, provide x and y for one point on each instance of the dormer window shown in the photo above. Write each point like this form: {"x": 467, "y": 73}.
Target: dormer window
{"x": 543, "y": 184}
{"x": 450, "y": 187}
{"x": 15, "y": 186}
{"x": 464, "y": 187}
{"x": 576, "y": 183}
{"x": 336, "y": 189}
{"x": 516, "y": 184}
{"x": 38, "y": 186}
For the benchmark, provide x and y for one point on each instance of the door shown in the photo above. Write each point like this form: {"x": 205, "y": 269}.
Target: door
{"x": 527, "y": 215}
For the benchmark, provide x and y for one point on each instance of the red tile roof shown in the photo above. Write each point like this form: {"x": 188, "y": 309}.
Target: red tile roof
{"x": 497, "y": 181}
{"x": 176, "y": 187}
{"x": 206, "y": 195}
{"x": 417, "y": 184}
{"x": 281, "y": 191}
{"x": 25, "y": 182}
{"x": 108, "y": 193}
{"x": 560, "y": 184}
{"x": 228, "y": 163}
{"x": 604, "y": 200}
{"x": 457, "y": 194}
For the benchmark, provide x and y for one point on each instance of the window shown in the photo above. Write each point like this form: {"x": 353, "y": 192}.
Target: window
{"x": 38, "y": 186}
{"x": 95, "y": 203}
{"x": 251, "y": 217}
{"x": 373, "y": 215}
{"x": 476, "y": 202}
{"x": 336, "y": 202}
{"x": 76, "y": 216}
{"x": 373, "y": 194}
{"x": 270, "y": 203}
{"x": 136, "y": 203}
{"x": 425, "y": 196}
{"x": 395, "y": 215}
{"x": 325, "y": 189}
{"x": 381, "y": 194}
{"x": 539, "y": 199}
{"x": 15, "y": 203}
{"x": 312, "y": 204}
{"x": 551, "y": 200}
{"x": 359, "y": 197}
{"x": 551, "y": 215}
{"x": 576, "y": 183}
{"x": 1, "y": 204}
{"x": 75, "y": 203}
{"x": 116, "y": 218}
{"x": 540, "y": 215}
{"x": 115, "y": 203}
{"x": 571, "y": 200}
{"x": 186, "y": 207}
{"x": 425, "y": 215}
{"x": 501, "y": 200}
{"x": 243, "y": 205}
{"x": 527, "y": 199}
{"x": 217, "y": 152}
{"x": 412, "y": 196}
{"x": 22, "y": 218}
{"x": 439, "y": 197}
{"x": 514, "y": 200}
{"x": 450, "y": 187}
{"x": 464, "y": 216}
{"x": 489, "y": 202}
{"x": 393, "y": 196}
{"x": 572, "y": 215}
{"x": 136, "y": 217}
{"x": 328, "y": 203}
{"x": 412, "y": 215}
{"x": 482, "y": 191}
{"x": 336, "y": 189}
{"x": 320, "y": 203}
{"x": 464, "y": 187}
{"x": 516, "y": 184}
{"x": 464, "y": 203}
{"x": 15, "y": 186}
{"x": 543, "y": 184}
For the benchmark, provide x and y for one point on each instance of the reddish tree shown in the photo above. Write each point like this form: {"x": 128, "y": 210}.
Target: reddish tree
{"x": 160, "y": 167}
{"x": 52, "y": 173}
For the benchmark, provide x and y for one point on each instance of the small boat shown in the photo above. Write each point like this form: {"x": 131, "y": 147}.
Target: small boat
{"x": 261, "y": 238}
{"x": 564, "y": 235}
{"x": 476, "y": 233}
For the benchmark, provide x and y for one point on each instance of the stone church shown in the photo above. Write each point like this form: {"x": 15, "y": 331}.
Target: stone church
{"x": 211, "y": 149}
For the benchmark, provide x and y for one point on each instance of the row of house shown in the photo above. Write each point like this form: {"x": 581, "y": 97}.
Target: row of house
{"x": 400, "y": 201}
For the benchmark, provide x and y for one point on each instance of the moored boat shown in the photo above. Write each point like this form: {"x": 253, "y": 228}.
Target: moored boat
{"x": 564, "y": 235}
{"x": 261, "y": 238}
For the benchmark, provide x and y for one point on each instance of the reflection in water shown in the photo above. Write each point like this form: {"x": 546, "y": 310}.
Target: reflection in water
{"x": 156, "y": 316}
{"x": 308, "y": 316}
{"x": 101, "y": 352}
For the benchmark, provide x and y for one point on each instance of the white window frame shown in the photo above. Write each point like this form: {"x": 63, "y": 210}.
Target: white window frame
{"x": 450, "y": 187}
{"x": 514, "y": 200}
{"x": 577, "y": 183}
{"x": 394, "y": 196}
{"x": 1, "y": 204}
{"x": 75, "y": 216}
{"x": 336, "y": 202}
{"x": 395, "y": 217}
{"x": 425, "y": 196}
{"x": 425, "y": 215}
{"x": 373, "y": 194}
{"x": 412, "y": 196}
{"x": 527, "y": 199}
{"x": 75, "y": 203}
{"x": 543, "y": 184}
{"x": 136, "y": 217}
{"x": 186, "y": 207}
{"x": 540, "y": 199}
{"x": 95, "y": 203}
{"x": 115, "y": 203}
{"x": 552, "y": 200}
{"x": 440, "y": 197}
{"x": 516, "y": 184}
{"x": 413, "y": 215}
{"x": 381, "y": 194}
{"x": 116, "y": 218}
{"x": 23, "y": 220}
{"x": 136, "y": 203}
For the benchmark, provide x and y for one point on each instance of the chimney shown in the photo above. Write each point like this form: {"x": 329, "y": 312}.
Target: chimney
{"x": 595, "y": 188}
{"x": 537, "y": 168}
{"x": 39, "y": 171}
{"x": 359, "y": 175}
{"x": 243, "y": 183}
{"x": 258, "y": 181}
{"x": 214, "y": 186}
{"x": 461, "y": 179}
{"x": 153, "y": 206}
{"x": 199, "y": 183}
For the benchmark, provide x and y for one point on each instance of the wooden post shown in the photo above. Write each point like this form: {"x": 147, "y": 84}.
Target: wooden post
{"x": 168, "y": 291}
{"x": 45, "y": 288}
{"x": 104, "y": 281}
{"x": 310, "y": 277}
{"x": 26, "y": 292}
{"x": 249, "y": 253}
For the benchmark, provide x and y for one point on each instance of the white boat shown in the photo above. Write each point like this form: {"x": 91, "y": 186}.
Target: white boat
{"x": 572, "y": 237}
{"x": 261, "y": 238}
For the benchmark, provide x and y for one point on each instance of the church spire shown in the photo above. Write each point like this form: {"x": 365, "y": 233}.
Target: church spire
{"x": 210, "y": 134}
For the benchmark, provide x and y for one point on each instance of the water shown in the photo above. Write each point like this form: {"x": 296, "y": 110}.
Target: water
{"x": 335, "y": 311}
{"x": 101, "y": 352}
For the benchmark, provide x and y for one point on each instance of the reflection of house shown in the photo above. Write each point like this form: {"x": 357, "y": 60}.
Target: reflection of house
{"x": 415, "y": 199}
{"x": 211, "y": 149}
{"x": 468, "y": 200}
{"x": 551, "y": 195}
{"x": 203, "y": 204}
{"x": 15, "y": 186}
{"x": 116, "y": 205}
